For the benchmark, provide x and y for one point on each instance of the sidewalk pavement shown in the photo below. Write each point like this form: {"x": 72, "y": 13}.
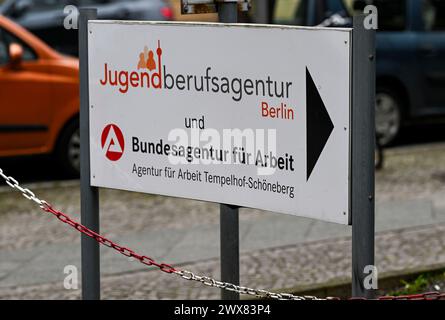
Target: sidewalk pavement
{"x": 200, "y": 243}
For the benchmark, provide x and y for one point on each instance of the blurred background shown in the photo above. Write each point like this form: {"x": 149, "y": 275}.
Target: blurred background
{"x": 410, "y": 62}
{"x": 39, "y": 144}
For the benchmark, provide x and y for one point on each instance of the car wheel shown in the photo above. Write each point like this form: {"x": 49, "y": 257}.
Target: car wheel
{"x": 68, "y": 150}
{"x": 388, "y": 116}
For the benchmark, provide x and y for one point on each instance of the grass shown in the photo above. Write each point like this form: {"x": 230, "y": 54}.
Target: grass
{"x": 424, "y": 282}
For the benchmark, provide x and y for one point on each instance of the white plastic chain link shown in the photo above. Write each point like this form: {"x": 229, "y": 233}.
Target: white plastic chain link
{"x": 259, "y": 293}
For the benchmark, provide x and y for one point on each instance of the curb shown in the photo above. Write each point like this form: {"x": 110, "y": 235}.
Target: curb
{"x": 341, "y": 287}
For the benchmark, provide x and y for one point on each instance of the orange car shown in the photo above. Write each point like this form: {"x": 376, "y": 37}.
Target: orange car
{"x": 39, "y": 98}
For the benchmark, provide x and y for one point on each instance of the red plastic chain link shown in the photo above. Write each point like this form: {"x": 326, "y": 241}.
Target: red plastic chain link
{"x": 422, "y": 296}
{"x": 106, "y": 242}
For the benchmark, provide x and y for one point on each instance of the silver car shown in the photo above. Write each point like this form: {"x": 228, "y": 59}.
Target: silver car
{"x": 45, "y": 17}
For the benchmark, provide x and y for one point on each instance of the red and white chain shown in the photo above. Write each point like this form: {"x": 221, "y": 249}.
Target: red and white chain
{"x": 184, "y": 274}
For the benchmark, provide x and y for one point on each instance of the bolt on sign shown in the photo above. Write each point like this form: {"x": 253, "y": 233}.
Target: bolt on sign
{"x": 252, "y": 116}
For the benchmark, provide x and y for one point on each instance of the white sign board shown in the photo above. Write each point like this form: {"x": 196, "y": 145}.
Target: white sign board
{"x": 247, "y": 115}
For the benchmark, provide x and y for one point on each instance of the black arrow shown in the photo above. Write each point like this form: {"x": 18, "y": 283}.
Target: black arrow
{"x": 319, "y": 125}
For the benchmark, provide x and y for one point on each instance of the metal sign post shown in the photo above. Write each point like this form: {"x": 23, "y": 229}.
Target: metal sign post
{"x": 229, "y": 215}
{"x": 362, "y": 155}
{"x": 89, "y": 195}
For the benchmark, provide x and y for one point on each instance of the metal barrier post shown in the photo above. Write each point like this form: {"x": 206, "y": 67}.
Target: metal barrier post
{"x": 229, "y": 215}
{"x": 229, "y": 235}
{"x": 362, "y": 152}
{"x": 89, "y": 195}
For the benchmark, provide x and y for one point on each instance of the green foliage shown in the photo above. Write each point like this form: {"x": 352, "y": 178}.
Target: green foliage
{"x": 419, "y": 285}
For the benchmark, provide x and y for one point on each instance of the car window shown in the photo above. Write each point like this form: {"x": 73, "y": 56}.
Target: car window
{"x": 90, "y": 2}
{"x": 6, "y": 39}
{"x": 3, "y": 52}
{"x": 433, "y": 14}
{"x": 290, "y": 12}
{"x": 44, "y": 5}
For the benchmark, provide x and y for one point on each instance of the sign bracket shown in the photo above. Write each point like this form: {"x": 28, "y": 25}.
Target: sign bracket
{"x": 210, "y": 6}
